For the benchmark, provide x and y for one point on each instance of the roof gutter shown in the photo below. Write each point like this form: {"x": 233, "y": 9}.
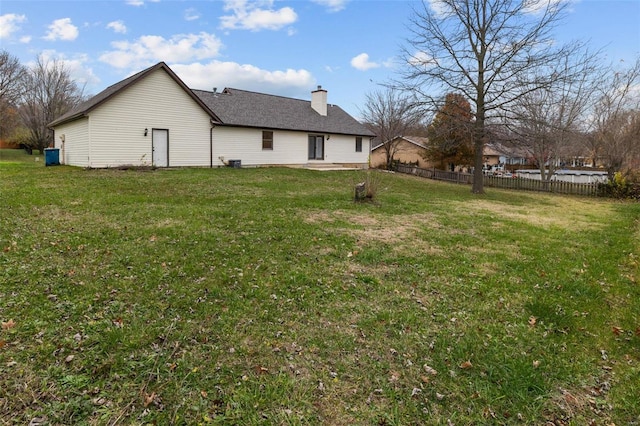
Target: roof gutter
{"x": 213, "y": 126}
{"x": 66, "y": 120}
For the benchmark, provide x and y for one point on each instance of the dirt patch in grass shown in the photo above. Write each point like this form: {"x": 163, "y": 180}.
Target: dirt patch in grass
{"x": 581, "y": 405}
{"x": 562, "y": 212}
{"x": 394, "y": 230}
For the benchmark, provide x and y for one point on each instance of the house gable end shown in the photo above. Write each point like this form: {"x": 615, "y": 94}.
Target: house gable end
{"x": 86, "y": 107}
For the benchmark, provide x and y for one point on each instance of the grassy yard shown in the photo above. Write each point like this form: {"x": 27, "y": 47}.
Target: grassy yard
{"x": 267, "y": 296}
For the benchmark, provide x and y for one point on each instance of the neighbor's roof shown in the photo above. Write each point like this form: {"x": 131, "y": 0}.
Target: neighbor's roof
{"x": 242, "y": 108}
{"x": 418, "y": 141}
{"x": 85, "y": 107}
{"x": 497, "y": 149}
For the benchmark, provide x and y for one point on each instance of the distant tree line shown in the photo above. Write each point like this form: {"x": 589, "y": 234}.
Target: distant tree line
{"x": 482, "y": 71}
{"x": 32, "y": 96}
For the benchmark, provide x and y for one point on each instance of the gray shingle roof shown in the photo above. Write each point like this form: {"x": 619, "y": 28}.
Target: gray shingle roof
{"x": 237, "y": 107}
{"x": 234, "y": 107}
{"x": 419, "y": 141}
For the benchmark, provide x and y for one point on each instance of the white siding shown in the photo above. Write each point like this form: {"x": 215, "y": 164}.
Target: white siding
{"x": 116, "y": 128}
{"x": 289, "y": 148}
{"x": 75, "y": 149}
{"x": 342, "y": 150}
{"x": 235, "y": 143}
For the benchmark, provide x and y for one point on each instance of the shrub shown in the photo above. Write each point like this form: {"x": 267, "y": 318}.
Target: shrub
{"x": 620, "y": 187}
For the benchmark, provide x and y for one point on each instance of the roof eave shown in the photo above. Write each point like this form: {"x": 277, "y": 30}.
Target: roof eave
{"x": 74, "y": 117}
{"x": 321, "y": 131}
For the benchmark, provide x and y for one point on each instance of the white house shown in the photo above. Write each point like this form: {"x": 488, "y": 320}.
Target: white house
{"x": 153, "y": 118}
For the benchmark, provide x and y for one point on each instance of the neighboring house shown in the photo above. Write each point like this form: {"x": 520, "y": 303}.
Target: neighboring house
{"x": 410, "y": 149}
{"x": 153, "y": 118}
{"x": 405, "y": 149}
{"x": 498, "y": 156}
{"x": 491, "y": 156}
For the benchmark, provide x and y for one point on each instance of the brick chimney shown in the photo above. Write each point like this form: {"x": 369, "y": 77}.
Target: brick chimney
{"x": 319, "y": 101}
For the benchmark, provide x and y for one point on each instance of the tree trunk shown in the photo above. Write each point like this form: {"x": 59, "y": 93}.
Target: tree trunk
{"x": 478, "y": 176}
{"x": 478, "y": 143}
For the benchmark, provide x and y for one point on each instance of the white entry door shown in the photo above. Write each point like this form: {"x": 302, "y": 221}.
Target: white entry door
{"x": 160, "y": 147}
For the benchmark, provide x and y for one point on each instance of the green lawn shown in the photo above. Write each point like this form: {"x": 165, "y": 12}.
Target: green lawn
{"x": 267, "y": 296}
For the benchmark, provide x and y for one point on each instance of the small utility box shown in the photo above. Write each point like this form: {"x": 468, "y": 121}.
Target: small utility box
{"x": 236, "y": 164}
{"x": 51, "y": 156}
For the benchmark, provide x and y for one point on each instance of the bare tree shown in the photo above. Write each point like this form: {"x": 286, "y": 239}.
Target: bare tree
{"x": 11, "y": 76}
{"x": 548, "y": 120}
{"x": 485, "y": 49}
{"x": 390, "y": 113}
{"x": 48, "y": 92}
{"x": 616, "y": 120}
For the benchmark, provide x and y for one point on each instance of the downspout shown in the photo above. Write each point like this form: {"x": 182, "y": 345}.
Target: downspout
{"x": 211, "y": 145}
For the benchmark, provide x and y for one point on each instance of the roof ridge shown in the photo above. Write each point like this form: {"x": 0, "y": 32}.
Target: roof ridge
{"x": 253, "y": 92}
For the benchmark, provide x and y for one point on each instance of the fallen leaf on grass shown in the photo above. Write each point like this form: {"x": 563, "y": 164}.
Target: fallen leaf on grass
{"x": 99, "y": 401}
{"x": 260, "y": 369}
{"x": 638, "y": 331}
{"x": 532, "y": 321}
{"x": 8, "y": 325}
{"x": 536, "y": 363}
{"x": 37, "y": 421}
{"x": 148, "y": 399}
{"x": 616, "y": 330}
{"x": 466, "y": 365}
{"x": 429, "y": 370}
{"x": 69, "y": 358}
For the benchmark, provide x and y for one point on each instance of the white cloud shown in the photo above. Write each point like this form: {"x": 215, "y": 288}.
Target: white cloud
{"x": 440, "y": 8}
{"x": 25, "y": 39}
{"x": 422, "y": 59}
{"x": 191, "y": 14}
{"x": 139, "y": 2}
{"x": 332, "y": 5}
{"x": 9, "y": 24}
{"x": 150, "y": 49}
{"x": 117, "y": 27}
{"x": 362, "y": 63}
{"x": 77, "y": 66}
{"x": 538, "y": 6}
{"x": 256, "y": 16}
{"x": 62, "y": 29}
{"x": 290, "y": 82}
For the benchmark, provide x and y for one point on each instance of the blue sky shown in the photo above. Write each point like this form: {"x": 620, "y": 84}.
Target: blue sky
{"x": 271, "y": 46}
